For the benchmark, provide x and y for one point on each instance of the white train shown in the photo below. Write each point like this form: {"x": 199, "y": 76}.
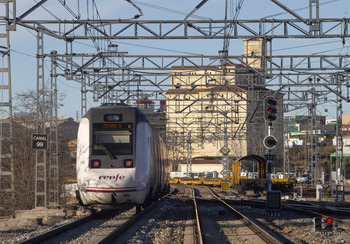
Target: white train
{"x": 120, "y": 158}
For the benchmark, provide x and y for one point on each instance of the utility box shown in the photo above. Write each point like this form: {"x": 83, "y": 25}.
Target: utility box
{"x": 318, "y": 224}
{"x": 225, "y": 186}
{"x": 273, "y": 201}
{"x": 319, "y": 189}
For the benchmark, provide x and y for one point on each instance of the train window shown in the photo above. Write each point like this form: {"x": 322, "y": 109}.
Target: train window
{"x": 112, "y": 142}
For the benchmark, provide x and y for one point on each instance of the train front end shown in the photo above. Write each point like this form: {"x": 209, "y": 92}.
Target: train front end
{"x": 106, "y": 157}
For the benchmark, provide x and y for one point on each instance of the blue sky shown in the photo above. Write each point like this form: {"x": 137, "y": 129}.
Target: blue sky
{"x": 23, "y": 41}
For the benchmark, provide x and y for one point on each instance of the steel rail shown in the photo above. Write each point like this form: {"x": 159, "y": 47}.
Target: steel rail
{"x": 58, "y": 230}
{"x": 264, "y": 235}
{"x": 307, "y": 208}
{"x": 124, "y": 227}
{"x": 200, "y": 238}
{"x": 318, "y": 211}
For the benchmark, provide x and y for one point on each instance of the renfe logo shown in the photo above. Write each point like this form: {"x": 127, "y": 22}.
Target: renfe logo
{"x": 115, "y": 178}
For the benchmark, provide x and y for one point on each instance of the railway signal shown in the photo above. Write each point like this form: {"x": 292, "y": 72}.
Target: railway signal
{"x": 270, "y": 109}
{"x": 318, "y": 224}
{"x": 270, "y": 142}
{"x": 328, "y": 225}
{"x": 323, "y": 225}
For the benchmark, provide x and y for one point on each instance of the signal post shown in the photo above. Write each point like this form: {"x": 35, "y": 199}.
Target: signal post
{"x": 270, "y": 142}
{"x": 273, "y": 198}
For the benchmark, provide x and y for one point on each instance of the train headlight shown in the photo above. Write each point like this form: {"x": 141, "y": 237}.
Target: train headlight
{"x": 113, "y": 117}
{"x": 128, "y": 163}
{"x": 95, "y": 163}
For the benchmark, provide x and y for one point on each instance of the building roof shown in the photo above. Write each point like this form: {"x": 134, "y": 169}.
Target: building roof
{"x": 204, "y": 66}
{"x": 144, "y": 101}
{"x": 214, "y": 88}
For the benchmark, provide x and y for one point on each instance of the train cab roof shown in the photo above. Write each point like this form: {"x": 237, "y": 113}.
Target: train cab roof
{"x": 140, "y": 116}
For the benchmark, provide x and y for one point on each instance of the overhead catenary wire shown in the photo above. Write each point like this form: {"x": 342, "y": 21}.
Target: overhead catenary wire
{"x": 302, "y": 8}
{"x": 46, "y": 61}
{"x": 308, "y": 45}
{"x": 169, "y": 10}
{"x": 228, "y": 29}
{"x": 52, "y": 14}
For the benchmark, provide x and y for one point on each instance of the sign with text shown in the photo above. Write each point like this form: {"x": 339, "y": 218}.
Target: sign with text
{"x": 270, "y": 156}
{"x": 39, "y": 141}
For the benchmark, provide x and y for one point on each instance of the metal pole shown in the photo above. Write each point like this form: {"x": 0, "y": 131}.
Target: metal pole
{"x": 40, "y": 156}
{"x": 269, "y": 164}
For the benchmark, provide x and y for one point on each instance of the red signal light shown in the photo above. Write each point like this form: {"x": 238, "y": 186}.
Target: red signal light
{"x": 270, "y": 108}
{"x": 96, "y": 164}
{"x": 329, "y": 225}
{"x": 128, "y": 163}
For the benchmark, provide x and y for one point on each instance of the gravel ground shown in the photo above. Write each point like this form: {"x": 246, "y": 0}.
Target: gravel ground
{"x": 94, "y": 234}
{"x": 298, "y": 228}
{"x": 167, "y": 225}
{"x": 10, "y": 234}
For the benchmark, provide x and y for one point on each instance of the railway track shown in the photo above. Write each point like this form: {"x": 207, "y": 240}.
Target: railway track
{"x": 218, "y": 222}
{"x": 100, "y": 227}
{"x": 124, "y": 231}
{"x": 319, "y": 210}
{"x": 194, "y": 214}
{"x": 144, "y": 222}
{"x": 83, "y": 227}
{"x": 312, "y": 209}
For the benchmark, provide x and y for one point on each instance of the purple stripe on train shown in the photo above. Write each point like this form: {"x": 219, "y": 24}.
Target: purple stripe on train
{"x": 112, "y": 191}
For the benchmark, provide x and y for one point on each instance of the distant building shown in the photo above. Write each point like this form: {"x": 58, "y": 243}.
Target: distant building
{"x": 203, "y": 113}
{"x": 156, "y": 118}
{"x": 69, "y": 127}
{"x": 207, "y": 104}
{"x": 297, "y": 129}
{"x": 202, "y": 165}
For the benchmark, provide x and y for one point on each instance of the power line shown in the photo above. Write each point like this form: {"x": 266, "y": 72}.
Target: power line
{"x": 48, "y": 11}
{"x": 25, "y": 54}
{"x": 306, "y": 45}
{"x": 168, "y": 9}
{"x": 281, "y": 13}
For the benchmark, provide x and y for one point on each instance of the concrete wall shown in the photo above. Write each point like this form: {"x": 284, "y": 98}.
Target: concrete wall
{"x": 201, "y": 168}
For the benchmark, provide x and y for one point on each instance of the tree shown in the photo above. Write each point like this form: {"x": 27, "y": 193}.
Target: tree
{"x": 24, "y": 125}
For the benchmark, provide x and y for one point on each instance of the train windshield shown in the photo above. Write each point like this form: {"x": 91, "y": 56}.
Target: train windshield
{"x": 112, "y": 142}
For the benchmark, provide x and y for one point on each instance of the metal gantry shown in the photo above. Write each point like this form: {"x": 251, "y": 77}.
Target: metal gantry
{"x": 286, "y": 74}
{"x": 6, "y": 119}
{"x": 40, "y": 127}
{"x": 312, "y": 140}
{"x": 119, "y": 29}
{"x": 53, "y": 197}
{"x": 340, "y": 162}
